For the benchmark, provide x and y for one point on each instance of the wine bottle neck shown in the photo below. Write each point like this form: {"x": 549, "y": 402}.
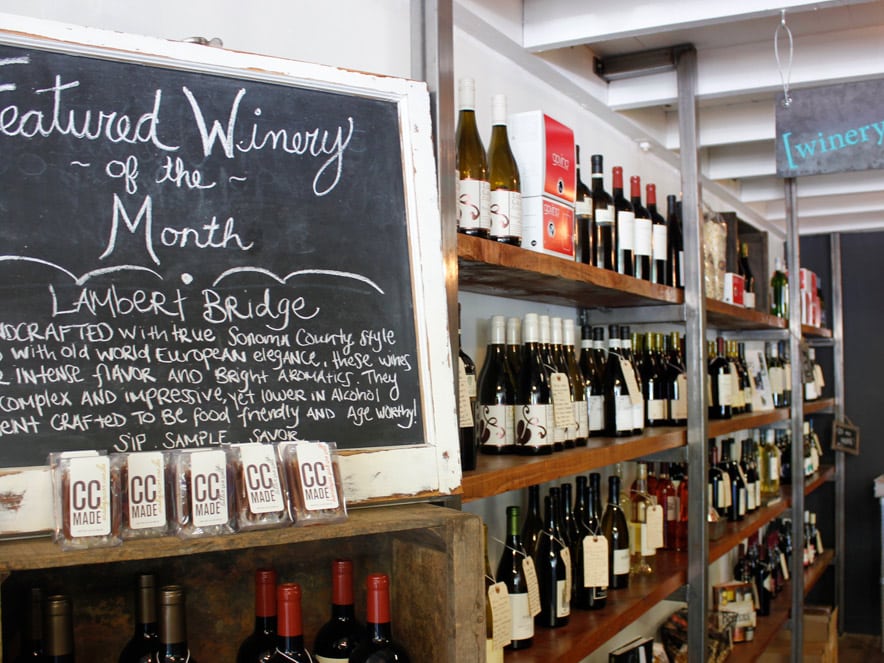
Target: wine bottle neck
{"x": 290, "y": 644}
{"x": 265, "y": 624}
{"x": 379, "y": 631}
{"x": 345, "y": 611}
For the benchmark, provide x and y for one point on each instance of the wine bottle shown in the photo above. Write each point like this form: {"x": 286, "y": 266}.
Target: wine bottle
{"x": 667, "y": 497}
{"x": 473, "y": 189}
{"x": 510, "y": 573}
{"x": 625, "y": 222}
{"x": 654, "y": 383}
{"x": 681, "y": 529}
{"x": 676, "y": 383}
{"x": 748, "y": 278}
{"x": 775, "y": 375}
{"x": 641, "y": 552}
{"x": 583, "y": 243}
{"x": 173, "y": 627}
{"x": 618, "y": 404}
{"x": 340, "y": 635}
{"x": 379, "y": 645}
{"x": 634, "y": 381}
{"x": 144, "y": 643}
{"x": 578, "y": 383}
{"x": 32, "y": 635}
{"x": 495, "y": 395}
{"x": 503, "y": 180}
{"x": 290, "y": 632}
{"x": 533, "y": 524}
{"x": 750, "y": 473}
{"x": 737, "y": 508}
{"x": 561, "y": 386}
{"x": 533, "y": 420}
{"x": 763, "y": 580}
{"x": 675, "y": 244}
{"x": 779, "y": 291}
{"x": 603, "y": 220}
{"x": 643, "y": 242}
{"x": 786, "y": 361}
{"x": 58, "y": 630}
{"x": 551, "y": 573}
{"x": 514, "y": 347}
{"x": 599, "y": 593}
{"x": 720, "y": 382}
{"x": 594, "y": 387}
{"x": 581, "y": 595}
{"x": 738, "y": 400}
{"x": 466, "y": 405}
{"x": 718, "y": 483}
{"x": 616, "y": 531}
{"x": 659, "y": 237}
{"x": 748, "y": 391}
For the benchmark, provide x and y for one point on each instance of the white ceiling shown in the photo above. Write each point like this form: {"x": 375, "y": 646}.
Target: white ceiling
{"x": 834, "y": 41}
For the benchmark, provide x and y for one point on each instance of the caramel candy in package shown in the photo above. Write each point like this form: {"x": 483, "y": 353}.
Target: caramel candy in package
{"x": 86, "y": 500}
{"x": 146, "y": 504}
{"x": 261, "y": 490}
{"x": 202, "y": 492}
{"x": 315, "y": 487}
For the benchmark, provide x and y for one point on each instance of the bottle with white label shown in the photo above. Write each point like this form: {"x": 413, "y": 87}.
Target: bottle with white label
{"x": 628, "y": 341}
{"x": 618, "y": 401}
{"x": 643, "y": 231}
{"x": 583, "y": 242}
{"x": 641, "y": 552}
{"x": 769, "y": 466}
{"x": 676, "y": 382}
{"x": 776, "y": 375}
{"x": 659, "y": 237}
{"x": 625, "y": 221}
{"x": 616, "y": 531}
{"x": 495, "y": 395}
{"x": 511, "y": 573}
{"x": 533, "y": 420}
{"x": 503, "y": 178}
{"x": 473, "y": 189}
{"x": 675, "y": 243}
{"x": 720, "y": 384}
{"x": 552, "y": 576}
{"x": 654, "y": 382}
{"x": 603, "y": 220}
{"x": 593, "y": 382}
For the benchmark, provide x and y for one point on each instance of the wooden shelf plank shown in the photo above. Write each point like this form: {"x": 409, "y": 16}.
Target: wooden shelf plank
{"x": 720, "y": 315}
{"x": 26, "y": 554}
{"x": 498, "y": 474}
{"x": 746, "y": 421}
{"x": 590, "y": 629}
{"x": 822, "y": 332}
{"x": 820, "y": 405}
{"x": 493, "y": 268}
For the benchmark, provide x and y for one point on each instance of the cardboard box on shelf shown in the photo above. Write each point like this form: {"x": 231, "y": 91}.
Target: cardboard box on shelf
{"x": 820, "y": 638}
{"x": 545, "y": 153}
{"x": 548, "y": 226}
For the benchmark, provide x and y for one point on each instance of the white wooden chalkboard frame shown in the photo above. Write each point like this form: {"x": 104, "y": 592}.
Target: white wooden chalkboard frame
{"x": 373, "y": 474}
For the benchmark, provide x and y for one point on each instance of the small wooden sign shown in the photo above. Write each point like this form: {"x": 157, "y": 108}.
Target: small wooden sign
{"x": 845, "y": 437}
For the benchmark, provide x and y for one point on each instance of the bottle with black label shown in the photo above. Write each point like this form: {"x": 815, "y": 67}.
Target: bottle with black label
{"x": 144, "y": 643}
{"x": 720, "y": 383}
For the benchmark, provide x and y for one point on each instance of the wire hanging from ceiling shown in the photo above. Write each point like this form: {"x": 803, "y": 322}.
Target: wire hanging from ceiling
{"x": 785, "y": 72}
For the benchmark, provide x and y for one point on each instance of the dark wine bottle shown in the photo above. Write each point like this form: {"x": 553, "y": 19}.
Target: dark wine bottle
{"x": 654, "y": 383}
{"x": 720, "y": 382}
{"x": 618, "y": 404}
{"x": 379, "y": 645}
{"x": 514, "y": 347}
{"x": 533, "y": 420}
{"x": 260, "y": 644}
{"x": 58, "y": 629}
{"x": 603, "y": 220}
{"x": 675, "y": 244}
{"x": 145, "y": 642}
{"x": 745, "y": 270}
{"x": 599, "y": 593}
{"x": 32, "y": 635}
{"x": 625, "y": 225}
{"x": 466, "y": 405}
{"x": 290, "y": 632}
{"x": 495, "y": 395}
{"x": 644, "y": 245}
{"x": 581, "y": 412}
{"x": 593, "y": 383}
{"x": 659, "y": 237}
{"x": 551, "y": 574}
{"x": 718, "y": 483}
{"x": 533, "y": 524}
{"x": 583, "y": 244}
{"x": 677, "y": 382}
{"x": 471, "y": 163}
{"x": 510, "y": 573}
{"x": 503, "y": 178}
{"x": 616, "y": 531}
{"x": 173, "y": 627}
{"x": 339, "y": 636}
{"x": 737, "y": 509}
{"x": 581, "y": 595}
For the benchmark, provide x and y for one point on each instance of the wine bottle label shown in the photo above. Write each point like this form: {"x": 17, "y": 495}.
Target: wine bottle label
{"x": 146, "y": 489}
{"x": 596, "y": 413}
{"x": 534, "y": 425}
{"x": 531, "y": 583}
{"x": 326, "y": 659}
{"x": 818, "y": 541}
{"x": 208, "y": 487}
{"x": 638, "y": 415}
{"x": 595, "y": 561}
{"x": 643, "y": 241}
{"x": 563, "y": 409}
{"x": 656, "y": 410}
{"x": 621, "y": 561}
{"x": 319, "y": 487}
{"x": 672, "y": 508}
{"x": 623, "y": 413}
{"x": 626, "y": 230}
{"x": 583, "y": 207}
{"x": 506, "y": 213}
{"x": 751, "y": 495}
{"x": 787, "y": 377}
{"x": 563, "y": 607}
{"x": 784, "y": 567}
{"x": 736, "y": 391}
{"x": 660, "y": 241}
{"x": 464, "y": 410}
{"x": 678, "y": 407}
{"x": 261, "y": 477}
{"x": 604, "y": 216}
{"x": 726, "y": 495}
{"x": 523, "y": 620}
{"x": 776, "y": 379}
{"x": 89, "y": 496}
{"x": 749, "y": 300}
{"x": 565, "y": 555}
{"x": 495, "y": 425}
{"x": 501, "y": 614}
{"x": 773, "y": 468}
{"x": 581, "y": 415}
{"x": 635, "y": 394}
{"x": 724, "y": 389}
{"x": 741, "y": 502}
{"x": 655, "y": 529}
{"x": 473, "y": 204}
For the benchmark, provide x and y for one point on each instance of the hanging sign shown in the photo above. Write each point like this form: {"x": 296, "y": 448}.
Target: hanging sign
{"x": 831, "y": 129}
{"x": 845, "y": 437}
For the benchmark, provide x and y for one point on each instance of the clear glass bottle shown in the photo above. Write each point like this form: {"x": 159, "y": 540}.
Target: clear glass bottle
{"x": 471, "y": 163}
{"x": 641, "y": 553}
{"x": 503, "y": 179}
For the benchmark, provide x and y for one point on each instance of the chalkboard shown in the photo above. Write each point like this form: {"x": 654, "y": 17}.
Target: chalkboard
{"x": 845, "y": 437}
{"x": 199, "y": 247}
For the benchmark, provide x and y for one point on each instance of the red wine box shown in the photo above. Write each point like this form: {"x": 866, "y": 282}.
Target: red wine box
{"x": 544, "y": 152}
{"x": 734, "y": 287}
{"x": 548, "y": 226}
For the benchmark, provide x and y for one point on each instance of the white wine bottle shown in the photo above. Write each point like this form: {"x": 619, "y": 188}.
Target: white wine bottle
{"x": 503, "y": 179}
{"x": 473, "y": 192}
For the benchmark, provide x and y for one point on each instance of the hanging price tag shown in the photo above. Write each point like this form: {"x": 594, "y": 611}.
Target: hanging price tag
{"x": 655, "y": 527}
{"x": 565, "y": 554}
{"x": 595, "y": 561}
{"x": 635, "y": 394}
{"x": 533, "y": 588}
{"x": 563, "y": 410}
{"x": 784, "y": 567}
{"x": 819, "y": 544}
{"x": 501, "y": 615}
{"x": 464, "y": 411}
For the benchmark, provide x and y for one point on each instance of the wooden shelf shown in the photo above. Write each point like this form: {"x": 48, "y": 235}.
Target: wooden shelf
{"x": 720, "y": 315}
{"x": 498, "y": 474}
{"x": 738, "y": 531}
{"x": 768, "y": 627}
{"x": 492, "y": 268}
{"x": 746, "y": 421}
{"x": 819, "y": 405}
{"x": 590, "y": 629}
{"x": 822, "y": 332}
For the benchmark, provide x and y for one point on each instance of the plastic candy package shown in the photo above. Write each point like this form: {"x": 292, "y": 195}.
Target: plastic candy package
{"x": 315, "y": 488}
{"x": 86, "y": 500}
